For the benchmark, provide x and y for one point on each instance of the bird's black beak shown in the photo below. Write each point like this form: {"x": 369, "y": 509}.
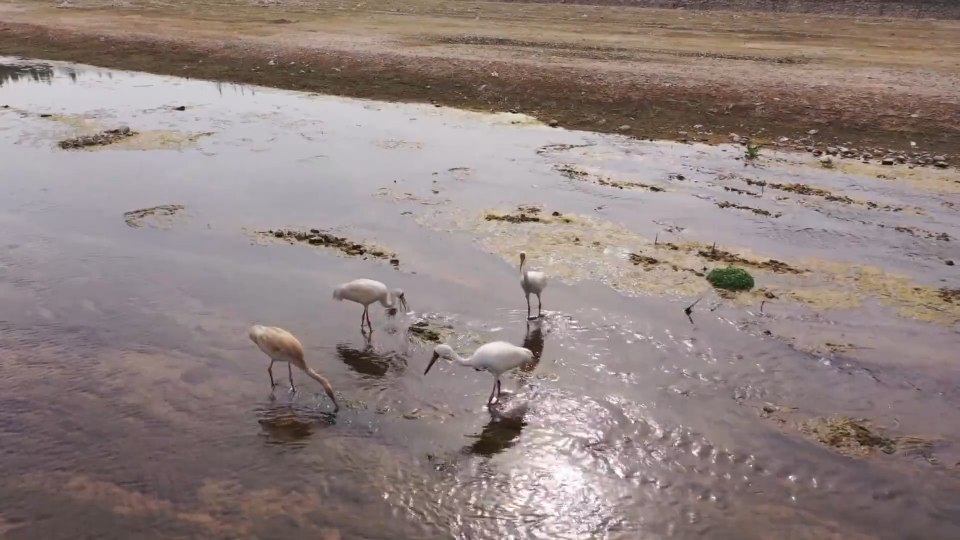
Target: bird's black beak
{"x": 403, "y": 302}
{"x": 432, "y": 362}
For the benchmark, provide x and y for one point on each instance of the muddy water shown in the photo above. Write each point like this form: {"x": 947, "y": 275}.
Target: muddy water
{"x": 134, "y": 405}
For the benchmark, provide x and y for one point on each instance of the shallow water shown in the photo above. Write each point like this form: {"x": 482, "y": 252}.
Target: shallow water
{"x": 134, "y": 405}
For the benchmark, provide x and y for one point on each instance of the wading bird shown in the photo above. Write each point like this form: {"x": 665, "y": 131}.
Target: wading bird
{"x": 281, "y": 346}
{"x": 497, "y": 357}
{"x": 368, "y": 291}
{"x": 532, "y": 283}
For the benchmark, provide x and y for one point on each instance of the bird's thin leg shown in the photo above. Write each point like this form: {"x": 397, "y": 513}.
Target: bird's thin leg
{"x": 270, "y": 371}
{"x": 498, "y": 388}
{"x": 492, "y": 390}
{"x": 528, "y": 307}
{"x": 369, "y": 324}
{"x": 539, "y": 307}
{"x": 290, "y": 374}
{"x": 363, "y": 316}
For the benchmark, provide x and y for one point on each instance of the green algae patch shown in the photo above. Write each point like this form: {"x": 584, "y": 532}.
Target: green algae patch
{"x": 731, "y": 278}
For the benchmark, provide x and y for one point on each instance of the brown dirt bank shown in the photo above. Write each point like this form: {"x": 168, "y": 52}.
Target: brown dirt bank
{"x": 720, "y": 75}
{"x": 934, "y": 9}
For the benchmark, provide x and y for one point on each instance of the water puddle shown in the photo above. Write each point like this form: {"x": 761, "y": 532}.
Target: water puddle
{"x": 823, "y": 400}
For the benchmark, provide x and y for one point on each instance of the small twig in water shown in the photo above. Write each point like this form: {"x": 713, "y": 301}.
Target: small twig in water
{"x": 689, "y": 309}
{"x": 761, "y": 305}
{"x": 656, "y": 238}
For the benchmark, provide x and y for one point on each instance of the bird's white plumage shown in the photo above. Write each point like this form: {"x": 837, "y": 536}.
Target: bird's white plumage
{"x": 366, "y": 292}
{"x": 496, "y": 357}
{"x": 361, "y": 291}
{"x": 499, "y": 357}
{"x": 532, "y": 283}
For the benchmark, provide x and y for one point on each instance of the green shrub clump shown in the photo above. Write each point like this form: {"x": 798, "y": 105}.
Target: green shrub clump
{"x": 731, "y": 279}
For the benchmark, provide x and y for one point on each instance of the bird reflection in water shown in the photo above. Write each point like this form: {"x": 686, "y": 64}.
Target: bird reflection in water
{"x": 368, "y": 361}
{"x": 533, "y": 341}
{"x": 501, "y": 432}
{"x": 290, "y": 424}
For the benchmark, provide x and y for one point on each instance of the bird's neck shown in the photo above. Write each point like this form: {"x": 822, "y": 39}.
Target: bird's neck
{"x": 387, "y": 300}
{"x": 468, "y": 361}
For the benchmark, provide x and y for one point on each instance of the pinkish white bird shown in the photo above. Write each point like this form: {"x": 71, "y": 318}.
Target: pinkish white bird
{"x": 281, "y": 346}
{"x": 368, "y": 291}
{"x": 497, "y": 357}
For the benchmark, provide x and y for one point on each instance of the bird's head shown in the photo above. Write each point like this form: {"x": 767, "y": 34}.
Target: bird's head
{"x": 523, "y": 256}
{"x": 440, "y": 351}
{"x": 254, "y": 332}
{"x": 402, "y": 298}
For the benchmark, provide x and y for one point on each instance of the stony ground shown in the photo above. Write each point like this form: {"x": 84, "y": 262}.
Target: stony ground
{"x": 864, "y": 83}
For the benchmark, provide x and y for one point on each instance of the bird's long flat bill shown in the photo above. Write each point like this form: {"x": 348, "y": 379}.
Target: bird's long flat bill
{"x": 403, "y": 302}
{"x": 432, "y": 362}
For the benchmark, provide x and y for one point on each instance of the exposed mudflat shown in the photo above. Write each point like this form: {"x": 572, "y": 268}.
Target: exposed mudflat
{"x": 822, "y": 402}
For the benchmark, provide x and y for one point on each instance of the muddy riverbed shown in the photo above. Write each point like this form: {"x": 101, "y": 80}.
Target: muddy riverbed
{"x": 821, "y": 404}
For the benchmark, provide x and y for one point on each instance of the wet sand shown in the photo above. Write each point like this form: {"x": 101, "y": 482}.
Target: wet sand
{"x": 135, "y": 405}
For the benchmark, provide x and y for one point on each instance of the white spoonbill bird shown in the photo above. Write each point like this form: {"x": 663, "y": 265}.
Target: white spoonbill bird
{"x": 497, "y": 357}
{"x": 532, "y": 283}
{"x": 281, "y": 346}
{"x": 368, "y": 291}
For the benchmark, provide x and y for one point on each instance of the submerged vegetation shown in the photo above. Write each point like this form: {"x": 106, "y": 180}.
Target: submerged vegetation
{"x": 320, "y": 238}
{"x": 162, "y": 215}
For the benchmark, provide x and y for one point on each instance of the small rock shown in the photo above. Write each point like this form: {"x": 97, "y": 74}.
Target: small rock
{"x": 734, "y": 137}
{"x": 940, "y": 164}
{"x": 556, "y": 214}
{"x": 180, "y": 108}
{"x": 45, "y": 115}
{"x": 901, "y": 158}
{"x": 832, "y": 150}
{"x": 682, "y": 133}
{"x": 813, "y": 132}
{"x": 395, "y": 262}
{"x": 948, "y": 263}
{"x": 278, "y": 234}
{"x": 826, "y": 160}
{"x": 939, "y": 158}
{"x": 315, "y": 231}
{"x": 887, "y": 161}
{"x": 624, "y": 127}
{"x": 553, "y": 123}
